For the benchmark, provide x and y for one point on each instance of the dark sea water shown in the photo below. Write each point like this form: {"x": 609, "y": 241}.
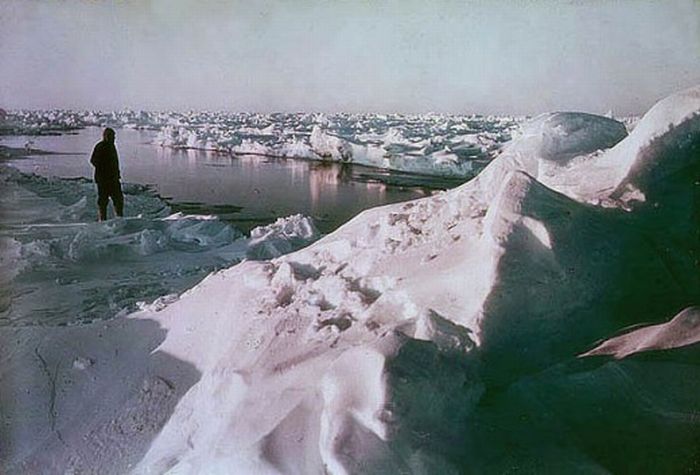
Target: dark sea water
{"x": 245, "y": 190}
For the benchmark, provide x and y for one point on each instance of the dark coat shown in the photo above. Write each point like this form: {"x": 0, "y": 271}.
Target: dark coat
{"x": 106, "y": 162}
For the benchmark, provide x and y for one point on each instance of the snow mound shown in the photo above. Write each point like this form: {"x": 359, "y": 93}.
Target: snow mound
{"x": 251, "y": 147}
{"x": 282, "y": 237}
{"x": 550, "y": 148}
{"x": 434, "y": 336}
{"x": 330, "y": 147}
{"x": 634, "y": 172}
{"x": 663, "y": 143}
{"x": 682, "y": 330}
{"x": 560, "y": 136}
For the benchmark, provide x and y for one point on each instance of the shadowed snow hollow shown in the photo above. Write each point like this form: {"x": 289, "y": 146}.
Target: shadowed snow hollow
{"x": 435, "y": 336}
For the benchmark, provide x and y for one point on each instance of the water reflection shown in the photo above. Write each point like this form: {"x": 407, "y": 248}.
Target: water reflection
{"x": 321, "y": 177}
{"x": 378, "y": 187}
{"x": 192, "y": 157}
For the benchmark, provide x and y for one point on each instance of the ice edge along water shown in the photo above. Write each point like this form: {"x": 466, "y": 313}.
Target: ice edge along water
{"x": 60, "y": 267}
{"x": 435, "y": 336}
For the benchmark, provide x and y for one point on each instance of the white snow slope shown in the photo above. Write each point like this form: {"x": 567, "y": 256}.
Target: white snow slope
{"x": 435, "y": 336}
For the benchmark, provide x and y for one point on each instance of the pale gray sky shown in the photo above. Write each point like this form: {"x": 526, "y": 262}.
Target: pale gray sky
{"x": 404, "y": 56}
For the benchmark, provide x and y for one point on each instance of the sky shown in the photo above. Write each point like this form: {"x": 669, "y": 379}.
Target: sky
{"x": 485, "y": 56}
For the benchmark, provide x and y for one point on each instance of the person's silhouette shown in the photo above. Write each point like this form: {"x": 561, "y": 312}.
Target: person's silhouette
{"x": 106, "y": 162}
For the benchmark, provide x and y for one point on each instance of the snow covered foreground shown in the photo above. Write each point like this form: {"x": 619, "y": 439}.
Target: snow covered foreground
{"x": 436, "y": 336}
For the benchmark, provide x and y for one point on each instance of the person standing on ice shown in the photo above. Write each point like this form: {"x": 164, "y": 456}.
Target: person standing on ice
{"x": 106, "y": 162}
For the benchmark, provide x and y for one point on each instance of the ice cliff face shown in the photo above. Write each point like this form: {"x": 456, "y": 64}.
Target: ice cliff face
{"x": 435, "y": 336}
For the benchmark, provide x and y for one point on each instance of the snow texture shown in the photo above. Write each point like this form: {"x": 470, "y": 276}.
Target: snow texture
{"x": 434, "y": 336}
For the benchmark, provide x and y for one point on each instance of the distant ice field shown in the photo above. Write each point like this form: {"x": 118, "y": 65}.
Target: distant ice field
{"x": 431, "y": 144}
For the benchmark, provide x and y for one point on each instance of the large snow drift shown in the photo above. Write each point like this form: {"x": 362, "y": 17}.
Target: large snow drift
{"x": 435, "y": 336}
